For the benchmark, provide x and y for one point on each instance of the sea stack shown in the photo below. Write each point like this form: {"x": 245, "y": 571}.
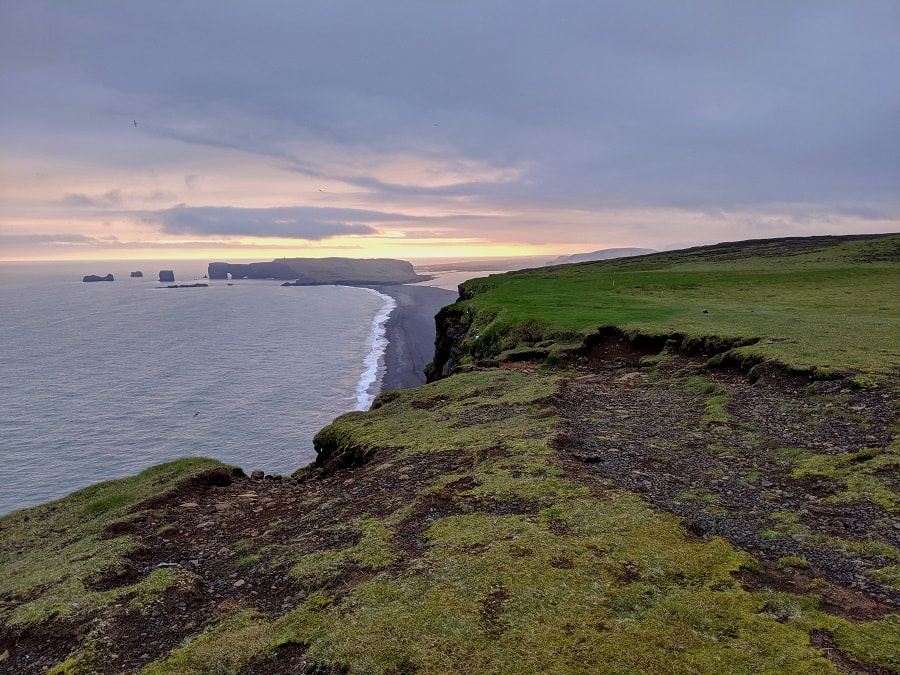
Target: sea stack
{"x": 136, "y": 274}
{"x": 166, "y": 275}
{"x": 94, "y": 277}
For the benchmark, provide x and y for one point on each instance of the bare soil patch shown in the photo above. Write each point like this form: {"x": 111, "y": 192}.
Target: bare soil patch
{"x": 727, "y": 475}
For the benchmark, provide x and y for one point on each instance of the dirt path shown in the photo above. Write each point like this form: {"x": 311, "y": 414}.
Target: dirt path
{"x": 722, "y": 452}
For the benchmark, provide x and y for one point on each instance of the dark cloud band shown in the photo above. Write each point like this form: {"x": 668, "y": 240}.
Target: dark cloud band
{"x": 285, "y": 222}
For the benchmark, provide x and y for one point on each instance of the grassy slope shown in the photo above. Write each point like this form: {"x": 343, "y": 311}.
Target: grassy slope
{"x": 515, "y": 563}
{"x": 524, "y": 568}
{"x": 826, "y": 304}
{"x": 50, "y": 553}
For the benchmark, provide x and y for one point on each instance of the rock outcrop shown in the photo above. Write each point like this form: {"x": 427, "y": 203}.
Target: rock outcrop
{"x": 313, "y": 271}
{"x": 166, "y": 275}
{"x": 452, "y": 326}
{"x": 259, "y": 270}
{"x": 137, "y": 274}
{"x": 94, "y": 277}
{"x": 603, "y": 254}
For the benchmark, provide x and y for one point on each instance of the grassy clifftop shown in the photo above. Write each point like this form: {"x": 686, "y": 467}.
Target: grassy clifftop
{"x": 620, "y": 508}
{"x": 823, "y": 303}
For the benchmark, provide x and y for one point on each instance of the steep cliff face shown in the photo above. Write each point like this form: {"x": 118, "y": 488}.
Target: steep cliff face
{"x": 452, "y": 324}
{"x": 467, "y": 333}
{"x": 460, "y": 333}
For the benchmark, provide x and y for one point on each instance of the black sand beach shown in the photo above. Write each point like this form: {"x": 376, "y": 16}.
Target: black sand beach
{"x": 410, "y": 332}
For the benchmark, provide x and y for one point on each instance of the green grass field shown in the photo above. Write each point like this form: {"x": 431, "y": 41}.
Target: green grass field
{"x": 830, "y": 304}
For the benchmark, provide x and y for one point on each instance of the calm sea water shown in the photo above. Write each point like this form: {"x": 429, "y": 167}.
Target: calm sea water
{"x": 101, "y": 380}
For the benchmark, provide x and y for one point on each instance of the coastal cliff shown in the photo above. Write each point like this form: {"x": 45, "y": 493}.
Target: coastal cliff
{"x": 680, "y": 463}
{"x": 312, "y": 271}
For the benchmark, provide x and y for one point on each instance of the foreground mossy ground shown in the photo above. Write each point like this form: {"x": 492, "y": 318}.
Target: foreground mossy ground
{"x": 444, "y": 530}
{"x": 507, "y": 560}
{"x": 50, "y": 553}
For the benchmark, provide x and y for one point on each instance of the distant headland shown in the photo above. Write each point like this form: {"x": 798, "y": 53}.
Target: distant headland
{"x": 316, "y": 271}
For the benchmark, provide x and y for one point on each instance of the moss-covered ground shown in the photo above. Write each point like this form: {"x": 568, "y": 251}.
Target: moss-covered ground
{"x": 52, "y": 555}
{"x": 624, "y": 509}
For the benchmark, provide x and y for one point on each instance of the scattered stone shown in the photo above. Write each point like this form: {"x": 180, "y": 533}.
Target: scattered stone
{"x": 257, "y": 474}
{"x": 189, "y": 505}
{"x": 239, "y": 583}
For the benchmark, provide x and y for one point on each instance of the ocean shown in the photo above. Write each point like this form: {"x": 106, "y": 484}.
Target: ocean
{"x": 102, "y": 380}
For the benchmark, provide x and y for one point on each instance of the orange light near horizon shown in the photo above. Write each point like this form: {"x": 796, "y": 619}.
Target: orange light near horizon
{"x": 249, "y": 248}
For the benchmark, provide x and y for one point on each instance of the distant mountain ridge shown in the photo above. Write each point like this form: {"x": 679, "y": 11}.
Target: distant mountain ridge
{"x": 602, "y": 254}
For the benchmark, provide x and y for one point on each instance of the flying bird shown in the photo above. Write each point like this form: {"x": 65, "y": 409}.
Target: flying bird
{"x": 135, "y": 122}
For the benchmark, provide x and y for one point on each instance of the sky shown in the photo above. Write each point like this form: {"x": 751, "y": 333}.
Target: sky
{"x": 453, "y": 128}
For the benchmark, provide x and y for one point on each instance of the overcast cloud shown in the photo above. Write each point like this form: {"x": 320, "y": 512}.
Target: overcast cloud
{"x": 571, "y": 124}
{"x": 287, "y": 222}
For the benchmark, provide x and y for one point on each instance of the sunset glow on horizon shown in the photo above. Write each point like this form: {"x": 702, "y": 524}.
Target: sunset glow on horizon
{"x": 487, "y": 129}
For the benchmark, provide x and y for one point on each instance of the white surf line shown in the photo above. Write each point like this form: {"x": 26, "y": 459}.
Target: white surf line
{"x": 366, "y": 387}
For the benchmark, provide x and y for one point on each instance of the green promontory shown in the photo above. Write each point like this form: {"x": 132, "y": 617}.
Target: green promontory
{"x": 312, "y": 271}
{"x": 815, "y": 303}
{"x": 597, "y": 489}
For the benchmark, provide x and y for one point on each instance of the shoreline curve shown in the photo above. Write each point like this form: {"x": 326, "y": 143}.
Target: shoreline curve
{"x": 410, "y": 332}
